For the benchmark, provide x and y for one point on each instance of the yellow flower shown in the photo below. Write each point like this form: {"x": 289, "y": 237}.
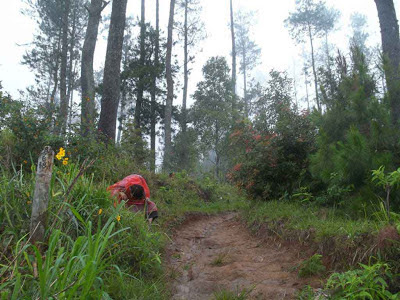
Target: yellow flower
{"x": 66, "y": 158}
{"x": 28, "y": 202}
{"x": 118, "y": 218}
{"x": 100, "y": 211}
{"x": 65, "y": 162}
{"x": 61, "y": 153}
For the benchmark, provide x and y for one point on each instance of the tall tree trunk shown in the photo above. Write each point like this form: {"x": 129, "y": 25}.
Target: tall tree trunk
{"x": 217, "y": 154}
{"x": 63, "y": 73}
{"x": 153, "y": 92}
{"x": 87, "y": 77}
{"x": 121, "y": 115}
{"x": 246, "y": 104}
{"x": 233, "y": 51}
{"x": 328, "y": 64}
{"x": 391, "y": 51}
{"x": 71, "y": 55}
{"x": 139, "y": 99}
{"x": 307, "y": 97}
{"x": 185, "y": 69}
{"x": 53, "y": 92}
{"x": 71, "y": 103}
{"x": 112, "y": 70}
{"x": 313, "y": 68}
{"x": 170, "y": 89}
{"x": 71, "y": 67}
{"x": 55, "y": 71}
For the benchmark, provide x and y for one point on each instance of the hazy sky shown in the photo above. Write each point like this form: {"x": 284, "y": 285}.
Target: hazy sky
{"x": 278, "y": 49}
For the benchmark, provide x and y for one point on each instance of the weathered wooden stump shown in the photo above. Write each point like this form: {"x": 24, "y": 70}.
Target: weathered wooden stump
{"x": 41, "y": 195}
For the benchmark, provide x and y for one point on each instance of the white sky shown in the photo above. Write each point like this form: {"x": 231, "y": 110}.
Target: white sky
{"x": 278, "y": 49}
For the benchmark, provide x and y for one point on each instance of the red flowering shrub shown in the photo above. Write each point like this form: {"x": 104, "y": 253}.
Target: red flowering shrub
{"x": 269, "y": 164}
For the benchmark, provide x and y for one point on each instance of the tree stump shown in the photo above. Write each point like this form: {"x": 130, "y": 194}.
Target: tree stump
{"x": 41, "y": 195}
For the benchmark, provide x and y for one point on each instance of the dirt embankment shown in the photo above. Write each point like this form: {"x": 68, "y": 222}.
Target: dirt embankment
{"x": 216, "y": 253}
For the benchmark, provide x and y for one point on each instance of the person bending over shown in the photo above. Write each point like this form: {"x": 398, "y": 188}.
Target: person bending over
{"x": 134, "y": 190}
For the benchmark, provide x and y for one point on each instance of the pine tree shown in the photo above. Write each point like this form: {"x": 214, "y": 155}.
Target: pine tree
{"x": 247, "y": 50}
{"x": 309, "y": 21}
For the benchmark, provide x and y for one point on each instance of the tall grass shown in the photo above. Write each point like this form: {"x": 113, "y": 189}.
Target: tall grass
{"x": 324, "y": 222}
{"x": 69, "y": 268}
{"x": 89, "y": 253}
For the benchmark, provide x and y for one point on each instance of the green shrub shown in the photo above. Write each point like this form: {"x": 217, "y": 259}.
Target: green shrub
{"x": 369, "y": 282}
{"x": 306, "y": 293}
{"x": 311, "y": 266}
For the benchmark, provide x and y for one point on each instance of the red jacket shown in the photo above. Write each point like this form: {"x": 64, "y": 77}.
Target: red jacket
{"x": 123, "y": 186}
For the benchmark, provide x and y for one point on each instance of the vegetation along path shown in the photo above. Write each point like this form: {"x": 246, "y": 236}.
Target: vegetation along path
{"x": 213, "y": 255}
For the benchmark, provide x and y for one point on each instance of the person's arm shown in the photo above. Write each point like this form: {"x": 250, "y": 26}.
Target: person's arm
{"x": 122, "y": 196}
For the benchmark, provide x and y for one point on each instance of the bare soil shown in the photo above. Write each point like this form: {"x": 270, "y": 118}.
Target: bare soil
{"x": 209, "y": 254}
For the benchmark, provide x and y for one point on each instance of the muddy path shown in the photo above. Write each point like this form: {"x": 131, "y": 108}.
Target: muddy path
{"x": 209, "y": 254}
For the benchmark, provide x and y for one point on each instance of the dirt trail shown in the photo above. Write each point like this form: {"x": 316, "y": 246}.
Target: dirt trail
{"x": 210, "y": 254}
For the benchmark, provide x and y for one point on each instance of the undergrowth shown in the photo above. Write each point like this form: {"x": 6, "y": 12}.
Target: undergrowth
{"x": 325, "y": 222}
{"x": 366, "y": 282}
{"x": 311, "y": 266}
{"x": 94, "y": 250}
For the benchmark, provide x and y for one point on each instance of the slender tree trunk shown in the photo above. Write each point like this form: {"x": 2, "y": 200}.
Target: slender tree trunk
{"x": 307, "y": 96}
{"x": 246, "y": 104}
{"x": 313, "y": 68}
{"x": 183, "y": 153}
{"x": 391, "y": 52}
{"x": 87, "y": 77}
{"x": 71, "y": 103}
{"x": 71, "y": 55}
{"x": 153, "y": 92}
{"x": 54, "y": 91}
{"x": 121, "y": 116}
{"x": 139, "y": 99}
{"x": 185, "y": 69}
{"x": 233, "y": 51}
{"x": 48, "y": 89}
{"x": 55, "y": 79}
{"x": 295, "y": 86}
{"x": 62, "y": 120}
{"x": 112, "y": 69}
{"x": 328, "y": 64}
{"x": 217, "y": 155}
{"x": 71, "y": 67}
{"x": 170, "y": 89}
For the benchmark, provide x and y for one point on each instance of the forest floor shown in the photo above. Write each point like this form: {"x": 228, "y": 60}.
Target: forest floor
{"x": 217, "y": 254}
